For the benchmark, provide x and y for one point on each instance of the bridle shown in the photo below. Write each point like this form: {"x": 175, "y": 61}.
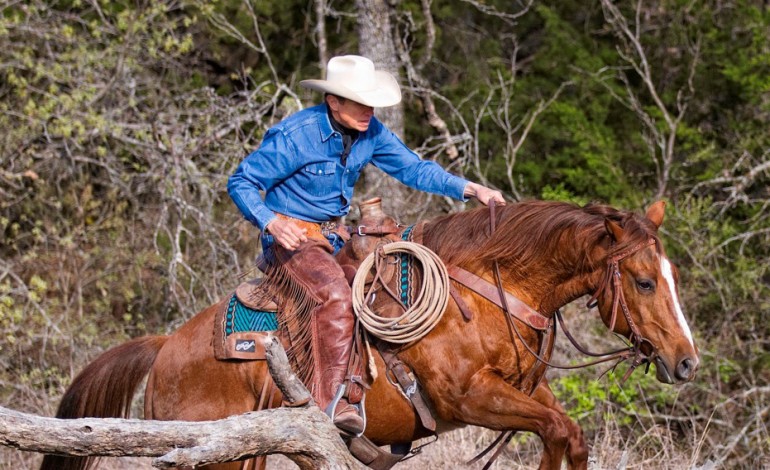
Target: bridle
{"x": 612, "y": 279}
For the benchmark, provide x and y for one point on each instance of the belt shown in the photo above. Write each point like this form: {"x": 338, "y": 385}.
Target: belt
{"x": 319, "y": 230}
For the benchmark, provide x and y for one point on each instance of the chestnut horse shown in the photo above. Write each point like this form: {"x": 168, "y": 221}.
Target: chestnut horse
{"x": 472, "y": 371}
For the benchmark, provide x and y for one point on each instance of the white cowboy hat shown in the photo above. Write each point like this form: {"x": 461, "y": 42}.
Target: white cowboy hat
{"x": 353, "y": 77}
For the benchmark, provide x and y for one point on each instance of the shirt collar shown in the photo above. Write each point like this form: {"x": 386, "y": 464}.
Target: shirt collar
{"x": 325, "y": 124}
{"x": 329, "y": 127}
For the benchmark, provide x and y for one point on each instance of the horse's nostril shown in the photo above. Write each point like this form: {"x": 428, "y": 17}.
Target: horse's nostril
{"x": 684, "y": 369}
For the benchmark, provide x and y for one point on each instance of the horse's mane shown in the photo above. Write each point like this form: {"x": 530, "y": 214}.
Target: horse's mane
{"x": 531, "y": 231}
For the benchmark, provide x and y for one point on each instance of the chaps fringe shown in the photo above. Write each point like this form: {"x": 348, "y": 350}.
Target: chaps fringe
{"x": 296, "y": 306}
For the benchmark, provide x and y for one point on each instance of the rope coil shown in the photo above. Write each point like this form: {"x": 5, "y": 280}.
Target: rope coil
{"x": 426, "y": 310}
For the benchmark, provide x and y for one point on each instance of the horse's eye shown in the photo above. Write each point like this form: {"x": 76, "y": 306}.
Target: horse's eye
{"x": 645, "y": 285}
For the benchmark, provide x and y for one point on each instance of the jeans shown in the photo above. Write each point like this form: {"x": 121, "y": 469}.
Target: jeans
{"x": 268, "y": 241}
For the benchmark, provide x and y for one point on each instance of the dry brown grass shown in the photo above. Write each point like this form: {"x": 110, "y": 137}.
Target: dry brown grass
{"x": 452, "y": 450}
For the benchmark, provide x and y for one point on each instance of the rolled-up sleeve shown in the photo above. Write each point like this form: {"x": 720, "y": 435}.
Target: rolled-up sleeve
{"x": 261, "y": 170}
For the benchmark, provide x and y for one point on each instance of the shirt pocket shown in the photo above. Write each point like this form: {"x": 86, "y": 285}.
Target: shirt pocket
{"x": 319, "y": 178}
{"x": 352, "y": 173}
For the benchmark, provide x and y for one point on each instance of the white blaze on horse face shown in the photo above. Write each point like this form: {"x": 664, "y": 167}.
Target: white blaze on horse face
{"x": 668, "y": 275}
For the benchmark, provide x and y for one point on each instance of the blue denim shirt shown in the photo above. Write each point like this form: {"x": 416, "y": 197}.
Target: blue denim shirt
{"x": 298, "y": 168}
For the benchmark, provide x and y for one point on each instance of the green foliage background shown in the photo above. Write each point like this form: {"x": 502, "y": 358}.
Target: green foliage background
{"x": 121, "y": 122}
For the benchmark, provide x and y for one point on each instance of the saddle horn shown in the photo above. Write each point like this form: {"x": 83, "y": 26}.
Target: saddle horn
{"x": 371, "y": 209}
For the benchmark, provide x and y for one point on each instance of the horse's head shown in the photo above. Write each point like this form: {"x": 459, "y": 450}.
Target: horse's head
{"x": 639, "y": 297}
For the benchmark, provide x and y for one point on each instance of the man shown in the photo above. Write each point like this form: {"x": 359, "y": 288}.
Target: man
{"x": 307, "y": 166}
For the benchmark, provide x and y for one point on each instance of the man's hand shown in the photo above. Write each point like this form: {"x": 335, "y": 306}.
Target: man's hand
{"x": 484, "y": 194}
{"x": 286, "y": 233}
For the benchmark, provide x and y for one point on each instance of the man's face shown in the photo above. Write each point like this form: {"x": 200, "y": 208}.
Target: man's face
{"x": 350, "y": 114}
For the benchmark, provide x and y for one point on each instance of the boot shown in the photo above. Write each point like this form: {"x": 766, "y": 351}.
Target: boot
{"x": 313, "y": 266}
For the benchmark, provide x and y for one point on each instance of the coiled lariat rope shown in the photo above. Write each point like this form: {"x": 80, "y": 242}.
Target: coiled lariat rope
{"x": 424, "y": 312}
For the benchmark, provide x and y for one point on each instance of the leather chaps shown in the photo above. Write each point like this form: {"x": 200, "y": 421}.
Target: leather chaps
{"x": 314, "y": 267}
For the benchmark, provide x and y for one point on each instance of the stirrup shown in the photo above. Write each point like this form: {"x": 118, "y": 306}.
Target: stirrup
{"x": 360, "y": 407}
{"x": 335, "y": 401}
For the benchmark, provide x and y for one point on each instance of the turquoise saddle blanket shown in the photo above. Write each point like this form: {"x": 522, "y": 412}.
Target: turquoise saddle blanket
{"x": 240, "y": 318}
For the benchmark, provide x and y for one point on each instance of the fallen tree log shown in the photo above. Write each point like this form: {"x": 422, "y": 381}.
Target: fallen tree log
{"x": 304, "y": 433}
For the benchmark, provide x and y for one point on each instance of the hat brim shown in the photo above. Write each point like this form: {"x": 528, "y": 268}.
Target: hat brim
{"x": 385, "y": 93}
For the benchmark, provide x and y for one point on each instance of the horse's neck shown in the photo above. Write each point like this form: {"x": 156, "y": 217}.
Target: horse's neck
{"x": 571, "y": 290}
{"x": 550, "y": 280}
{"x": 550, "y": 289}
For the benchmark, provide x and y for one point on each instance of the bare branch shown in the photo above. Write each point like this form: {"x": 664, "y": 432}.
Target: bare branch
{"x": 736, "y": 185}
{"x": 492, "y": 11}
{"x": 423, "y": 91}
{"x": 430, "y": 34}
{"x": 661, "y": 144}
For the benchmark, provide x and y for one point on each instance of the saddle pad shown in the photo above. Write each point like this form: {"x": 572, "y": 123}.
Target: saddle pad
{"x": 239, "y": 331}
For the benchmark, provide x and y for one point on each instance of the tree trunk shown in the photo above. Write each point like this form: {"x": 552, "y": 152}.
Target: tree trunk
{"x": 320, "y": 34}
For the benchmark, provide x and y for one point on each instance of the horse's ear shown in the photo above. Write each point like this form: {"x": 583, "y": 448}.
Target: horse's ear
{"x": 615, "y": 230}
{"x": 656, "y": 212}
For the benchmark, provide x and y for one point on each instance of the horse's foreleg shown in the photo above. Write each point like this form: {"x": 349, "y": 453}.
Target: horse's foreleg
{"x": 490, "y": 402}
{"x": 577, "y": 451}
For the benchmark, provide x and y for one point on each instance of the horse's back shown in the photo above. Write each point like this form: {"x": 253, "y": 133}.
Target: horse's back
{"x": 188, "y": 383}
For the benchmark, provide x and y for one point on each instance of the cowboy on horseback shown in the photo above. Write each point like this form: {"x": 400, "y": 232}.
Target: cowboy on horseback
{"x": 307, "y": 166}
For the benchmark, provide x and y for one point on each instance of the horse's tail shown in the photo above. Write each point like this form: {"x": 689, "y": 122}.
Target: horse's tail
{"x": 105, "y": 389}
